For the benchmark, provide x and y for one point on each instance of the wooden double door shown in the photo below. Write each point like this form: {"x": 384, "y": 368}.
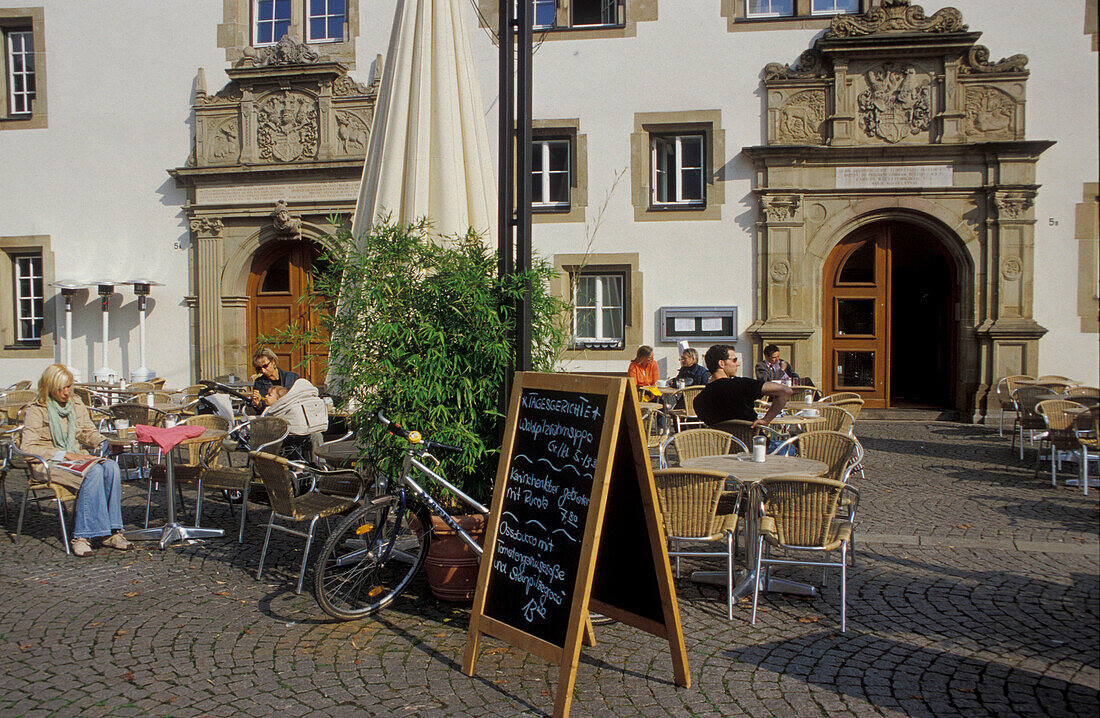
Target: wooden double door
{"x": 280, "y": 281}
{"x": 890, "y": 324}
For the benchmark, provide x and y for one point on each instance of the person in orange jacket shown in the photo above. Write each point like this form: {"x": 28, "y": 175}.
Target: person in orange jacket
{"x": 643, "y": 370}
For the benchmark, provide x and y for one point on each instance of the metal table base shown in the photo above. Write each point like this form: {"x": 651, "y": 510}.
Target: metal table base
{"x": 172, "y": 531}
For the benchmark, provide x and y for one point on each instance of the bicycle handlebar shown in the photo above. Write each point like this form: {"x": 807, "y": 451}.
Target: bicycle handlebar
{"x": 397, "y": 430}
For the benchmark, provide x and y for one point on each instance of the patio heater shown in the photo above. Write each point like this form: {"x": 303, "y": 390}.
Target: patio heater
{"x": 105, "y": 373}
{"x": 69, "y": 288}
{"x": 141, "y": 289}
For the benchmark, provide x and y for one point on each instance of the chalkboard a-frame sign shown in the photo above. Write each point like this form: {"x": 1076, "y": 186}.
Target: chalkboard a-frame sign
{"x": 574, "y": 526}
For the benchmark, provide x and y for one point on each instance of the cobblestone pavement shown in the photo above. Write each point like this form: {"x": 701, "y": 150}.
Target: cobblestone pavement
{"x": 975, "y": 592}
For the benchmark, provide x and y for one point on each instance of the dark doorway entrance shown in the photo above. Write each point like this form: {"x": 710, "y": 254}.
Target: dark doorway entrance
{"x": 890, "y": 328}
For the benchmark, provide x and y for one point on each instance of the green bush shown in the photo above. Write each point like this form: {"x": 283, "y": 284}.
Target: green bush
{"x": 422, "y": 330}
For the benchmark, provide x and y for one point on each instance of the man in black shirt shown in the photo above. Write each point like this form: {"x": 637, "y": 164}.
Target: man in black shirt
{"x": 729, "y": 396}
{"x": 270, "y": 375}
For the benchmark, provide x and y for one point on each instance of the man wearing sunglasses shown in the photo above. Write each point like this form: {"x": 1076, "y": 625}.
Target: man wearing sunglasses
{"x": 269, "y": 375}
{"x": 729, "y": 396}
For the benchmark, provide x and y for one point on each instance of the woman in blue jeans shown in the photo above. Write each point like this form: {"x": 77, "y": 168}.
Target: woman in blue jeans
{"x": 57, "y": 426}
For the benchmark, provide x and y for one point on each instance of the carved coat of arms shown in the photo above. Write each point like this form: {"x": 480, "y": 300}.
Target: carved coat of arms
{"x": 894, "y": 104}
{"x": 287, "y": 127}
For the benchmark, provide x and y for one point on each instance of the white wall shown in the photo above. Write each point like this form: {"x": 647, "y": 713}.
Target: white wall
{"x": 120, "y": 79}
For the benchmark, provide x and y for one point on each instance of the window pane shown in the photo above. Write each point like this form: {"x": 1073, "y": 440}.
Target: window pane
{"x": 544, "y": 13}
{"x": 586, "y": 292}
{"x": 336, "y": 28}
{"x": 585, "y": 323}
{"x": 316, "y": 7}
{"x": 691, "y": 151}
{"x": 859, "y": 268}
{"x": 771, "y": 7}
{"x": 559, "y": 187}
{"x": 855, "y": 316}
{"x": 692, "y": 189}
{"x": 612, "y": 324}
{"x": 317, "y": 28}
{"x": 559, "y": 154}
{"x": 536, "y": 157}
{"x": 612, "y": 293}
{"x": 264, "y": 9}
{"x": 855, "y": 370}
{"x": 277, "y": 278}
{"x": 834, "y": 6}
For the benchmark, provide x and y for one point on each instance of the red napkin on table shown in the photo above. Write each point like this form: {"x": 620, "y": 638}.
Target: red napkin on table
{"x": 166, "y": 438}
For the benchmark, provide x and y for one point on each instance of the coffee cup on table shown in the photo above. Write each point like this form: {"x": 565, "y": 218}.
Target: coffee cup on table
{"x": 122, "y": 424}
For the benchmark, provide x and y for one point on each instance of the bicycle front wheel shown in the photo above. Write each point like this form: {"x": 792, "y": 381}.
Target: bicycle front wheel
{"x": 371, "y": 557}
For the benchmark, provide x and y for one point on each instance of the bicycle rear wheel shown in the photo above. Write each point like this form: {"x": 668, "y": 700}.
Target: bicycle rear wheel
{"x": 371, "y": 557}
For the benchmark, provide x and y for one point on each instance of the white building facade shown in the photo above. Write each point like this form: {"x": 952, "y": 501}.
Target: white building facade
{"x": 902, "y": 198}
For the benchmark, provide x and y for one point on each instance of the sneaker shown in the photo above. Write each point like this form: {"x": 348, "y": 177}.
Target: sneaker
{"x": 81, "y": 547}
{"x": 117, "y": 541}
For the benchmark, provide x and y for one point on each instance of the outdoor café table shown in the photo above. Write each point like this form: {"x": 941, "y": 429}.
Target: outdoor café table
{"x": 173, "y": 531}
{"x": 742, "y": 469}
{"x": 340, "y": 453}
{"x": 794, "y": 421}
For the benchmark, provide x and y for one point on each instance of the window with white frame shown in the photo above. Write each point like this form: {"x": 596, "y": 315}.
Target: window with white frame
{"x": 769, "y": 8}
{"x": 550, "y": 180}
{"x": 677, "y": 169}
{"x": 834, "y": 7}
{"x": 545, "y": 14}
{"x": 19, "y": 62}
{"x": 325, "y": 21}
{"x": 29, "y": 296}
{"x": 598, "y": 311}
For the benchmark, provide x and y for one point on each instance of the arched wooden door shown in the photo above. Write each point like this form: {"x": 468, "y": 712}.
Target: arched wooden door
{"x": 281, "y": 275}
{"x": 890, "y": 332}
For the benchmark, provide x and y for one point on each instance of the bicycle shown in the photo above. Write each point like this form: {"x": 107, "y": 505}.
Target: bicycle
{"x": 373, "y": 555}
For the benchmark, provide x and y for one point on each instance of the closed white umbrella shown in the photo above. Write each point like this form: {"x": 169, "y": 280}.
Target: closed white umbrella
{"x": 428, "y": 154}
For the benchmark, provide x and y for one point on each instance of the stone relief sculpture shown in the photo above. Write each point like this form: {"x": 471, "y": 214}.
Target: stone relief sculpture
{"x": 287, "y": 127}
{"x": 225, "y": 144}
{"x": 895, "y": 104}
{"x": 801, "y": 117}
{"x": 352, "y": 133}
{"x": 284, "y": 52}
{"x": 990, "y": 114}
{"x": 977, "y": 61}
{"x": 286, "y": 225}
{"x": 811, "y": 63}
{"x": 896, "y": 16}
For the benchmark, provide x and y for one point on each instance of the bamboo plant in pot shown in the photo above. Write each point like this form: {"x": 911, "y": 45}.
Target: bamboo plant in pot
{"x": 421, "y": 328}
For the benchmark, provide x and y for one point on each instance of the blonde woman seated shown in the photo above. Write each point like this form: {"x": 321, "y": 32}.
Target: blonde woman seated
{"x": 56, "y": 427}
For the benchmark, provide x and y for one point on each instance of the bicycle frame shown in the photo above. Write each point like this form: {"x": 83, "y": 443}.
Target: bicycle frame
{"x": 411, "y": 462}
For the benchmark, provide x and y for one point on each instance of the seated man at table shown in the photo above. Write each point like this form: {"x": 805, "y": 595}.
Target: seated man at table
{"x": 690, "y": 371}
{"x": 772, "y": 368}
{"x": 264, "y": 362}
{"x": 729, "y": 396}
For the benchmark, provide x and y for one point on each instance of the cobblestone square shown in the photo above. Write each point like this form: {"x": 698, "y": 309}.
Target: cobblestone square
{"x": 975, "y": 592}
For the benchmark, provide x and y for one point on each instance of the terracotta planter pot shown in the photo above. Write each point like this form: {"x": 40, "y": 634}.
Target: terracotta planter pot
{"x": 451, "y": 564}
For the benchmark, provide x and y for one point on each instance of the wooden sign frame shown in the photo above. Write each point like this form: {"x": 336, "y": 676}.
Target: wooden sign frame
{"x": 623, "y": 469}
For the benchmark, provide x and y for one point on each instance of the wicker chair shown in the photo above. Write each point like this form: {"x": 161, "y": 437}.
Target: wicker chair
{"x": 689, "y": 501}
{"x": 1087, "y": 395}
{"x": 1005, "y": 386}
{"x": 744, "y": 431}
{"x": 311, "y": 506}
{"x": 837, "y": 418}
{"x": 1056, "y": 378}
{"x": 1059, "y": 417}
{"x": 158, "y": 383}
{"x": 687, "y": 416}
{"x": 852, "y": 406}
{"x": 7, "y": 438}
{"x": 1088, "y": 430}
{"x": 39, "y": 486}
{"x": 832, "y": 398}
{"x": 799, "y": 514}
{"x": 19, "y": 396}
{"x": 804, "y": 393}
{"x": 141, "y": 387}
{"x": 89, "y": 397}
{"x": 23, "y": 385}
{"x": 1026, "y": 397}
{"x": 704, "y": 442}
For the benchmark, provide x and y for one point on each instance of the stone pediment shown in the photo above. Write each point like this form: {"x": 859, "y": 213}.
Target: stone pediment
{"x": 892, "y": 76}
{"x": 284, "y": 106}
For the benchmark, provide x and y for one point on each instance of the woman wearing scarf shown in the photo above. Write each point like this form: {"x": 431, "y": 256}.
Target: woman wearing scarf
{"x": 56, "y": 427}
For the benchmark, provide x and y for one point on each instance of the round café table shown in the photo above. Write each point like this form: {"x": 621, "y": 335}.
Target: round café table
{"x": 339, "y": 454}
{"x": 172, "y": 531}
{"x": 742, "y": 469}
{"x": 787, "y": 422}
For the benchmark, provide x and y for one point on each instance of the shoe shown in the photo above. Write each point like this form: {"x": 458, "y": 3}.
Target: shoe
{"x": 117, "y": 541}
{"x": 81, "y": 547}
